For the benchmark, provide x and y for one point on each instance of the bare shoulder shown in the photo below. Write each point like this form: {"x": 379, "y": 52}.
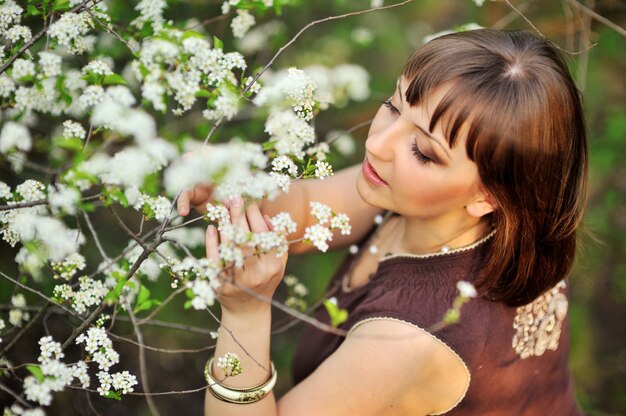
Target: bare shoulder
{"x": 384, "y": 367}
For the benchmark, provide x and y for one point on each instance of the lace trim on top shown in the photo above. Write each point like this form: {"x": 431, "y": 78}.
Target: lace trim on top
{"x": 439, "y": 253}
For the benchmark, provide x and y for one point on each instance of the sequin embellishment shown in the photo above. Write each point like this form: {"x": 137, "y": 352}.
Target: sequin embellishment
{"x": 538, "y": 324}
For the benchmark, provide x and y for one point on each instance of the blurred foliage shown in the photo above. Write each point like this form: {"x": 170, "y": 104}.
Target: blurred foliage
{"x": 381, "y": 42}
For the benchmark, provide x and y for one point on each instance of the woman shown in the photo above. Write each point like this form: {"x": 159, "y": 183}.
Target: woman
{"x": 479, "y": 158}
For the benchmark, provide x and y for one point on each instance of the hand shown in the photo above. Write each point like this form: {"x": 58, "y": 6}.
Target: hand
{"x": 260, "y": 273}
{"x": 198, "y": 196}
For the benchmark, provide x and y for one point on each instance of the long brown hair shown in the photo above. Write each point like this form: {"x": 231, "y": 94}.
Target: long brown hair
{"x": 527, "y": 136}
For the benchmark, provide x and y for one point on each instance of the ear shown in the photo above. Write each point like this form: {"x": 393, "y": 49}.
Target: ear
{"x": 483, "y": 205}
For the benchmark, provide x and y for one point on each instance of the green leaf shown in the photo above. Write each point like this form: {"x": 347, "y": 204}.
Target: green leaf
{"x": 337, "y": 315}
{"x": 35, "y": 370}
{"x": 113, "y": 395}
{"x": 187, "y": 304}
{"x": 32, "y": 11}
{"x": 203, "y": 94}
{"x": 73, "y": 143}
{"x": 114, "y": 79}
{"x": 143, "y": 295}
{"x": 189, "y": 293}
{"x": 149, "y": 304}
{"x": 60, "y": 5}
{"x": 115, "y": 293}
{"x": 92, "y": 78}
{"x": 217, "y": 43}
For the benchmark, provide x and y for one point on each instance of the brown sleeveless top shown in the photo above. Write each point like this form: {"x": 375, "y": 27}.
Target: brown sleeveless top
{"x": 516, "y": 357}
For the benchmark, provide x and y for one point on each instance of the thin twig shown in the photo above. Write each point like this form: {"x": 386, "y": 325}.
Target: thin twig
{"x": 530, "y": 23}
{"x": 41, "y": 295}
{"x": 142, "y": 361}
{"x": 292, "y": 40}
{"x": 15, "y": 395}
{"x": 598, "y": 17}
{"x": 38, "y": 36}
{"x": 163, "y": 393}
{"x": 24, "y": 329}
{"x": 236, "y": 340}
{"x": 161, "y": 306}
{"x": 95, "y": 237}
{"x": 163, "y": 350}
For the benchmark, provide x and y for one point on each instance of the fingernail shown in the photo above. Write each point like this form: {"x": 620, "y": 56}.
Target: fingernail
{"x": 210, "y": 230}
{"x": 236, "y": 201}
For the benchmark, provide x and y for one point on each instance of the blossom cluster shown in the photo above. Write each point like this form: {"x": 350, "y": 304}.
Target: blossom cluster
{"x": 18, "y": 316}
{"x": 297, "y": 293}
{"x": 69, "y": 266}
{"x": 53, "y": 375}
{"x": 100, "y": 350}
{"x": 319, "y": 234}
{"x": 185, "y": 66}
{"x": 90, "y": 292}
{"x": 230, "y": 364}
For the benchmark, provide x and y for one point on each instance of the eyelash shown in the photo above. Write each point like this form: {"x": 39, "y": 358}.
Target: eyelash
{"x": 421, "y": 158}
{"x": 391, "y": 107}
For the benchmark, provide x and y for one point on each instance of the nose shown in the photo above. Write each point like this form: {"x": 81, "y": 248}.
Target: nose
{"x": 380, "y": 142}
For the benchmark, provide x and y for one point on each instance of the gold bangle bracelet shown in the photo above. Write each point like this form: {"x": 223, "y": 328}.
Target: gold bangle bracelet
{"x": 239, "y": 395}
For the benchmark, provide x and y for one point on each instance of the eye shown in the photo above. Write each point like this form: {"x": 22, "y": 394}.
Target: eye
{"x": 421, "y": 158}
{"x": 391, "y": 107}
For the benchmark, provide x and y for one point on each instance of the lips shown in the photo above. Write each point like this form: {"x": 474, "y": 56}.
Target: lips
{"x": 371, "y": 175}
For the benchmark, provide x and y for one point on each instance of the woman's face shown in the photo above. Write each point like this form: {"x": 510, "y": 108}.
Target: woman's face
{"x": 411, "y": 172}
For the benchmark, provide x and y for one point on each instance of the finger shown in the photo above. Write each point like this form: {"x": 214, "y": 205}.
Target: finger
{"x": 182, "y": 203}
{"x": 268, "y": 221}
{"x": 237, "y": 214}
{"x": 212, "y": 244}
{"x": 255, "y": 219}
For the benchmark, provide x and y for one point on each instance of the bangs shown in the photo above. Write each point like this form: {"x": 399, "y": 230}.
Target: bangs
{"x": 493, "y": 95}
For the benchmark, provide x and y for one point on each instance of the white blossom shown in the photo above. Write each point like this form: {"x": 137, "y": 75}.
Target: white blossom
{"x": 282, "y": 163}
{"x": 22, "y": 68}
{"x": 242, "y": 23}
{"x": 70, "y": 30}
{"x": 466, "y": 289}
{"x": 93, "y": 95}
{"x": 321, "y": 212}
{"x": 341, "y": 222}
{"x": 319, "y": 236}
{"x": 97, "y": 66}
{"x": 5, "y": 191}
{"x": 150, "y": 11}
{"x": 10, "y": 14}
{"x": 230, "y": 364}
{"x": 18, "y": 32}
{"x": 31, "y": 190}
{"x": 63, "y": 198}
{"x": 282, "y": 223}
{"x": 73, "y": 129}
{"x": 49, "y": 350}
{"x": 322, "y": 170}
{"x": 14, "y": 136}
{"x": 7, "y": 86}
{"x": 51, "y": 64}
{"x": 289, "y": 133}
{"x": 204, "y": 294}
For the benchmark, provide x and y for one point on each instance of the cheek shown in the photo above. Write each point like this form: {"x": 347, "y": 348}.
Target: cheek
{"x": 427, "y": 189}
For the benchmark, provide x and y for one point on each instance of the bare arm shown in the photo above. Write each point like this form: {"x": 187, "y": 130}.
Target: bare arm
{"x": 384, "y": 367}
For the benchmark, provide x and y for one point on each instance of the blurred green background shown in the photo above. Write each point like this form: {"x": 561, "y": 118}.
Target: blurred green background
{"x": 381, "y": 42}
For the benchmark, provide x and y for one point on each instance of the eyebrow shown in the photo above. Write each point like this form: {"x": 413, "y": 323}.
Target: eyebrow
{"x": 399, "y": 89}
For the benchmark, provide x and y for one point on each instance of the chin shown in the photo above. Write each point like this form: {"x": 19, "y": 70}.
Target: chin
{"x": 367, "y": 193}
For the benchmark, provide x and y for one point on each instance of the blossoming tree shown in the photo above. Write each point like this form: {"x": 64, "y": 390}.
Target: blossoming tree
{"x": 86, "y": 101}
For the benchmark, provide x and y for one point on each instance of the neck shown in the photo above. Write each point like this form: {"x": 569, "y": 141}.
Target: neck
{"x": 420, "y": 236}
